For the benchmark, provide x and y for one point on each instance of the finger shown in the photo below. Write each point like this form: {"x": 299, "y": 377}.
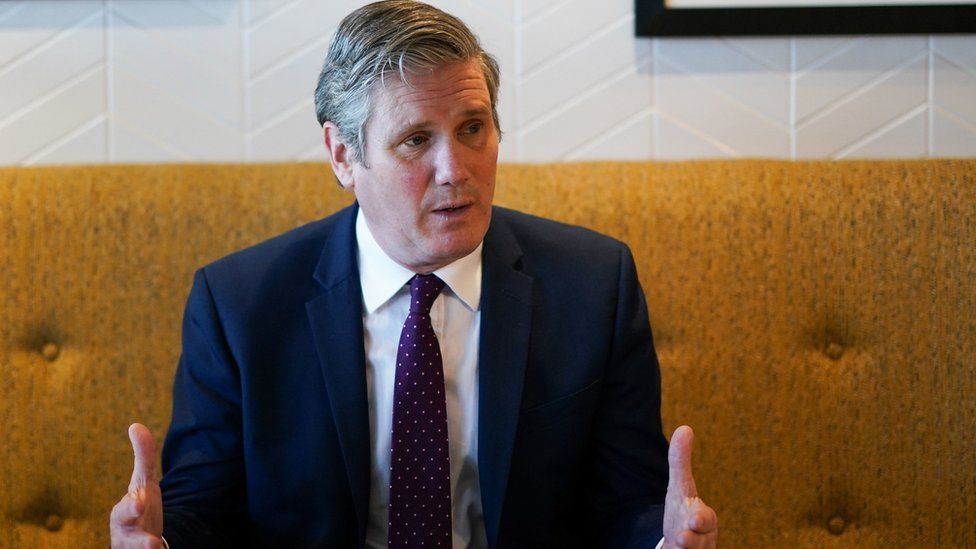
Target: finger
{"x": 127, "y": 511}
{"x": 703, "y": 519}
{"x": 689, "y": 540}
{"x": 144, "y": 448}
{"x": 679, "y": 463}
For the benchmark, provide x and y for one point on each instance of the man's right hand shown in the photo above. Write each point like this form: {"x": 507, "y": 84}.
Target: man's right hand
{"x": 137, "y": 519}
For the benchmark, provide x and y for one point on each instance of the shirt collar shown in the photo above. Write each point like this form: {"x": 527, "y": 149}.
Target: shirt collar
{"x": 381, "y": 277}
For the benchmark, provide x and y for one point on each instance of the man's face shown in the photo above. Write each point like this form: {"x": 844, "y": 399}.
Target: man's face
{"x": 431, "y": 149}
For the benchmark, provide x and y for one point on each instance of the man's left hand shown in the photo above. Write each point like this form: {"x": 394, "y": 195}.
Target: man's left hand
{"x": 688, "y": 522}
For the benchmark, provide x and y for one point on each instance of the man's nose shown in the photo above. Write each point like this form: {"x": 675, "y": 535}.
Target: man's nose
{"x": 450, "y": 164}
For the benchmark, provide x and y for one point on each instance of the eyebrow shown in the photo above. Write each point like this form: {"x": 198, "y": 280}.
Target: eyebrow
{"x": 474, "y": 111}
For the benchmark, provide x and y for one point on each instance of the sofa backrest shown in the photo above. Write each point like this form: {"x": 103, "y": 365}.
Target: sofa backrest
{"x": 814, "y": 321}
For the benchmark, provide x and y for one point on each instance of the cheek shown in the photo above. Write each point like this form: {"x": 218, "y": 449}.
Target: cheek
{"x": 398, "y": 190}
{"x": 485, "y": 165}
{"x": 411, "y": 188}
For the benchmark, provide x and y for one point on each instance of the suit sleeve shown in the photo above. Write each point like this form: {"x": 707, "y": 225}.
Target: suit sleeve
{"x": 630, "y": 467}
{"x": 204, "y": 503}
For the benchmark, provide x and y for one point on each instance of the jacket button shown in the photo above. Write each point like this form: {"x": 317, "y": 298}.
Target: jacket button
{"x": 836, "y": 525}
{"x": 834, "y": 351}
{"x": 53, "y": 523}
{"x": 50, "y": 351}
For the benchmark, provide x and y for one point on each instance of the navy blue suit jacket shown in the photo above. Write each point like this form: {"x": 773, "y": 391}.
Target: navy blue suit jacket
{"x": 269, "y": 441}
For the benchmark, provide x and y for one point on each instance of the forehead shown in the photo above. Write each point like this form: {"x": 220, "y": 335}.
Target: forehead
{"x": 449, "y": 89}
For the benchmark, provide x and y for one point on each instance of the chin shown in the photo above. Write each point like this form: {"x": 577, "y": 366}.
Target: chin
{"x": 455, "y": 250}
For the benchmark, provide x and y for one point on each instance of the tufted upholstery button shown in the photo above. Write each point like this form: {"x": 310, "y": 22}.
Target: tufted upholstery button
{"x": 834, "y": 350}
{"x": 836, "y": 525}
{"x": 50, "y": 351}
{"x": 53, "y": 523}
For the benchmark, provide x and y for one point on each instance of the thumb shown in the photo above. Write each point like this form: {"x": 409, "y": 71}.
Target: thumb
{"x": 144, "y": 448}
{"x": 680, "y": 480}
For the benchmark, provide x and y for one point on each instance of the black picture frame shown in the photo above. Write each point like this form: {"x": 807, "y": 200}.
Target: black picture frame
{"x": 654, "y": 18}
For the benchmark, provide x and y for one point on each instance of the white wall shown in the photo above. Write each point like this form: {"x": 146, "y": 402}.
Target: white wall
{"x": 231, "y": 80}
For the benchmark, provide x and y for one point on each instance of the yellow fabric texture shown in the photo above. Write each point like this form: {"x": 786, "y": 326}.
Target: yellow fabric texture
{"x": 814, "y": 321}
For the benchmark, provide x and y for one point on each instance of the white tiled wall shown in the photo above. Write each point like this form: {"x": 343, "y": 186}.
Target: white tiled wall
{"x": 231, "y": 80}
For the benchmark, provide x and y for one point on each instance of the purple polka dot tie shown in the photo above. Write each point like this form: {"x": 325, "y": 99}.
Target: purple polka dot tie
{"x": 420, "y": 472}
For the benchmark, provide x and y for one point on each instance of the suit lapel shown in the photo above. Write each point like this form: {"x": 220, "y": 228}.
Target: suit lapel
{"x": 502, "y": 356}
{"x": 337, "y": 326}
{"x": 336, "y": 320}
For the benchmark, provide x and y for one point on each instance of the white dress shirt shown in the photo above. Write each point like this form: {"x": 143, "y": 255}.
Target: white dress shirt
{"x": 456, "y": 318}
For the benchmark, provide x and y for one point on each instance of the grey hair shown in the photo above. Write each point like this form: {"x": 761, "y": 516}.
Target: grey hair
{"x": 391, "y": 36}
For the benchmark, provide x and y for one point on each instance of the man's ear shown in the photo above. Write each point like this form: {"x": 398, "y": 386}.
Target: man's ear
{"x": 339, "y": 155}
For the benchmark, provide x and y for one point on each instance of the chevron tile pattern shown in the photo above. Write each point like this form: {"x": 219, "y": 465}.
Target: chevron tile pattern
{"x": 722, "y": 93}
{"x": 585, "y": 91}
{"x": 52, "y": 82}
{"x": 858, "y": 92}
{"x": 231, "y": 80}
{"x": 176, "y": 81}
{"x": 285, "y": 43}
{"x": 954, "y": 101}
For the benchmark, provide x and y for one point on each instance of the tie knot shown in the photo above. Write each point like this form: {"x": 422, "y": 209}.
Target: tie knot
{"x": 423, "y": 292}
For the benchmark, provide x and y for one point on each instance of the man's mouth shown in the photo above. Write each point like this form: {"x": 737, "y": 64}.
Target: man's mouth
{"x": 450, "y": 208}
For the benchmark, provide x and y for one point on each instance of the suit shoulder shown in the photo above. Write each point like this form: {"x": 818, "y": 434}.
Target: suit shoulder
{"x": 297, "y": 250}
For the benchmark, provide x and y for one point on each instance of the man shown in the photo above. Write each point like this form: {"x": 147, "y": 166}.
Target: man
{"x": 532, "y": 415}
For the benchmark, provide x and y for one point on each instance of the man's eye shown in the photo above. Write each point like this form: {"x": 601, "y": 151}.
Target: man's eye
{"x": 474, "y": 128}
{"x": 415, "y": 141}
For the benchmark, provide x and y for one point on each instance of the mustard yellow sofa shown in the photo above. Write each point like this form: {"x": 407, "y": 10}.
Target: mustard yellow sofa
{"x": 816, "y": 324}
